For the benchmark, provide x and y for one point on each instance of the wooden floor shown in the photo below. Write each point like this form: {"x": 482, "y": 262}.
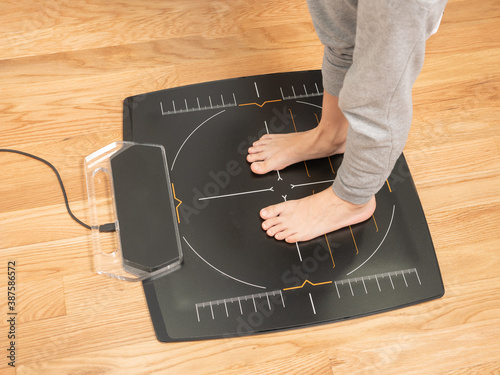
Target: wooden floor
{"x": 65, "y": 68}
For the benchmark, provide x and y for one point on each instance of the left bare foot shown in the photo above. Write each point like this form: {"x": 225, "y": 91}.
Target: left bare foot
{"x": 273, "y": 152}
{"x": 313, "y": 216}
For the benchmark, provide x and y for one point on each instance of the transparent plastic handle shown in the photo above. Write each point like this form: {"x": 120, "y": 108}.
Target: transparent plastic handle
{"x": 128, "y": 254}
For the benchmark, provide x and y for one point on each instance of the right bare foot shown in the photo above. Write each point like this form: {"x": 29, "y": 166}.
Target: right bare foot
{"x": 273, "y": 152}
{"x": 313, "y": 216}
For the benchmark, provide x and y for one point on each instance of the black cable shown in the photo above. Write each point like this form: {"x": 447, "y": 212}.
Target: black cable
{"x": 110, "y": 227}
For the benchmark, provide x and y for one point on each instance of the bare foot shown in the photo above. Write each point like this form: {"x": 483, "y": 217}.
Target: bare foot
{"x": 273, "y": 152}
{"x": 313, "y": 216}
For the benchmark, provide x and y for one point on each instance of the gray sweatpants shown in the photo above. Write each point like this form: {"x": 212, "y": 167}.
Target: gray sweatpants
{"x": 374, "y": 51}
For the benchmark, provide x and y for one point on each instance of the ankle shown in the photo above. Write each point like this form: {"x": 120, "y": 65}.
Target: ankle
{"x": 364, "y": 208}
{"x": 334, "y": 134}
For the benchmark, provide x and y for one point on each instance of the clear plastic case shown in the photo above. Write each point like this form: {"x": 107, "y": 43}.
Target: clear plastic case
{"x": 128, "y": 185}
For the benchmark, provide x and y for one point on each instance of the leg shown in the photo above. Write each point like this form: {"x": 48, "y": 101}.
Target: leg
{"x": 376, "y": 100}
{"x": 335, "y": 23}
{"x": 376, "y": 95}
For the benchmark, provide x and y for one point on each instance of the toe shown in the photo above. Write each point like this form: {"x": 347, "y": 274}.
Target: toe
{"x": 256, "y": 167}
{"x": 254, "y": 157}
{"x": 279, "y": 236}
{"x": 271, "y": 232}
{"x": 272, "y": 222}
{"x": 283, "y": 235}
{"x": 263, "y": 140}
{"x": 291, "y": 238}
{"x": 271, "y": 211}
{"x": 255, "y": 149}
{"x": 273, "y": 225}
{"x": 259, "y": 167}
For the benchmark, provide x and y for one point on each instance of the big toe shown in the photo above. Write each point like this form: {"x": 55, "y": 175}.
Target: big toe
{"x": 259, "y": 168}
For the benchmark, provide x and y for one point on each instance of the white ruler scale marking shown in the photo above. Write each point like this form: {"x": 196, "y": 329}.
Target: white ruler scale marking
{"x": 195, "y": 106}
{"x": 376, "y": 277}
{"x": 227, "y": 301}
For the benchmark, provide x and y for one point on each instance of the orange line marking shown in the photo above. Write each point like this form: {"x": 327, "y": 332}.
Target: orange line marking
{"x": 307, "y": 281}
{"x": 389, "y": 186}
{"x": 375, "y": 221}
{"x": 331, "y": 255}
{"x": 331, "y": 166}
{"x": 293, "y": 121}
{"x": 307, "y": 170}
{"x": 177, "y": 207}
{"x": 328, "y": 244}
{"x": 261, "y": 105}
{"x": 352, "y": 234}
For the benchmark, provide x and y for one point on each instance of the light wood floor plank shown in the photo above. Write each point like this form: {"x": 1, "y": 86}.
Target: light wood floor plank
{"x": 462, "y": 320}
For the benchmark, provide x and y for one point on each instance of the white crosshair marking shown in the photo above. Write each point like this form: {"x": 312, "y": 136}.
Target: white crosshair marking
{"x": 235, "y": 194}
{"x": 311, "y": 183}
